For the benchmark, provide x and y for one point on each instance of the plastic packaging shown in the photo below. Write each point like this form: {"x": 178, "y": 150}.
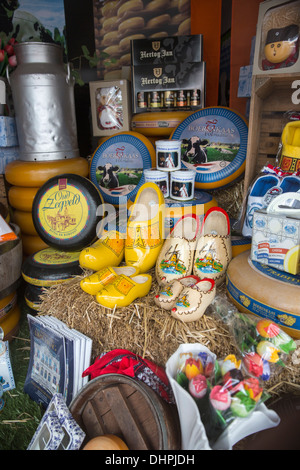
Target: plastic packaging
{"x": 203, "y": 426}
{"x": 264, "y": 347}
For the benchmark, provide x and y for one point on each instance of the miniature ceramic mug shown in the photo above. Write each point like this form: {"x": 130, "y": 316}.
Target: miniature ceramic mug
{"x": 168, "y": 155}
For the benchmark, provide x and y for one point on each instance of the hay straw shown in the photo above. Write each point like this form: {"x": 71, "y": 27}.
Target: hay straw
{"x": 146, "y": 329}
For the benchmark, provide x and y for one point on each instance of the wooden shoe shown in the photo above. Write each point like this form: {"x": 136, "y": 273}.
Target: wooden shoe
{"x": 145, "y": 228}
{"x": 96, "y": 281}
{"x": 167, "y": 296}
{"x": 213, "y": 251}
{"x": 124, "y": 290}
{"x": 175, "y": 259}
{"x": 108, "y": 251}
{"x": 193, "y": 301}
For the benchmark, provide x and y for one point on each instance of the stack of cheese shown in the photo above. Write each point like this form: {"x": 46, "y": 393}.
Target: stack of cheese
{"x": 25, "y": 179}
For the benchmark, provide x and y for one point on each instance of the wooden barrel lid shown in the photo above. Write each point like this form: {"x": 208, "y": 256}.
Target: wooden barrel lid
{"x": 126, "y": 407}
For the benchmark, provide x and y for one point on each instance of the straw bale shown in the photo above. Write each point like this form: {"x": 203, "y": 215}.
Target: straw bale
{"x": 149, "y": 331}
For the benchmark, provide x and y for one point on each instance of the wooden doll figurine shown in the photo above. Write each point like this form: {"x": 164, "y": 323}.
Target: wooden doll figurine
{"x": 281, "y": 48}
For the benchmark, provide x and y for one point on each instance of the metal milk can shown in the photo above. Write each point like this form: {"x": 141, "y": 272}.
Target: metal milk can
{"x": 43, "y": 97}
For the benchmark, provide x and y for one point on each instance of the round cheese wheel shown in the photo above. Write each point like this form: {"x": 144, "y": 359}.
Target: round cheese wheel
{"x": 174, "y": 210}
{"x": 118, "y": 164}
{"x": 158, "y": 123}
{"x": 32, "y": 296}
{"x": 32, "y": 243}
{"x": 7, "y": 303}
{"x": 10, "y": 323}
{"x": 21, "y": 198}
{"x": 264, "y": 291}
{"x": 25, "y": 222}
{"x": 34, "y": 174}
{"x": 64, "y": 212}
{"x": 106, "y": 442}
{"x": 50, "y": 266}
{"x": 240, "y": 244}
{"x": 214, "y": 145}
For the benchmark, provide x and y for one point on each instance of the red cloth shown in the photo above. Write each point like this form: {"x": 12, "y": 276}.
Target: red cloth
{"x": 122, "y": 361}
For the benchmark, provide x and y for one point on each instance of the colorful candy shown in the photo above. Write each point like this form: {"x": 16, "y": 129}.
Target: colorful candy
{"x": 198, "y": 386}
{"x": 230, "y": 362}
{"x": 254, "y": 364}
{"x": 232, "y": 379}
{"x": 193, "y": 367}
{"x": 220, "y": 389}
{"x": 268, "y": 351}
{"x": 220, "y": 397}
{"x": 267, "y": 329}
{"x": 242, "y": 405}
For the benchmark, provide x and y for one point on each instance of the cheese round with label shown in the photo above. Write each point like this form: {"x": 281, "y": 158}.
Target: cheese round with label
{"x": 50, "y": 266}
{"x": 65, "y": 213}
{"x": 158, "y": 123}
{"x": 264, "y": 291}
{"x": 32, "y": 296}
{"x": 214, "y": 144}
{"x": 34, "y": 174}
{"x": 118, "y": 164}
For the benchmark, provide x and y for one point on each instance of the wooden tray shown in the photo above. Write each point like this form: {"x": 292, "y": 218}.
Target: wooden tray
{"x": 271, "y": 98}
{"x": 119, "y": 405}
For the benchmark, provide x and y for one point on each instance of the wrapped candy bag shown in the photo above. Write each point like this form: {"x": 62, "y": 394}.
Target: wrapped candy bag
{"x": 263, "y": 345}
{"x": 221, "y": 391}
{"x": 196, "y": 399}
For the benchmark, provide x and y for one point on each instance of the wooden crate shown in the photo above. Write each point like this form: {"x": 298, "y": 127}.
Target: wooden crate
{"x": 271, "y": 98}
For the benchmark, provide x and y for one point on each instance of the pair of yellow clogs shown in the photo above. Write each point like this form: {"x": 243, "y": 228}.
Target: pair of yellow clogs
{"x": 142, "y": 242}
{"x": 140, "y": 246}
{"x": 117, "y": 286}
{"x": 190, "y": 248}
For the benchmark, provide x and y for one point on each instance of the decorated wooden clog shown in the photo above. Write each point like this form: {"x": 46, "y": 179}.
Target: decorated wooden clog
{"x": 169, "y": 293}
{"x": 96, "y": 281}
{"x": 175, "y": 259}
{"x": 194, "y": 300}
{"x": 107, "y": 251}
{"x": 124, "y": 290}
{"x": 145, "y": 228}
{"x": 213, "y": 251}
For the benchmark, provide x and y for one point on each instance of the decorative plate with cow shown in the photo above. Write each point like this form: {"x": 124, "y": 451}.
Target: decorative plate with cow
{"x": 118, "y": 165}
{"x": 214, "y": 144}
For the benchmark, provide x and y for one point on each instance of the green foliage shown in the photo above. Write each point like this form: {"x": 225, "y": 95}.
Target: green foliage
{"x": 21, "y": 415}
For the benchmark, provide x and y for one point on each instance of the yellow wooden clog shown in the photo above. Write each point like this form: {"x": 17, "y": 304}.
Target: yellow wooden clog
{"x": 107, "y": 251}
{"x": 145, "y": 228}
{"x": 124, "y": 290}
{"x": 96, "y": 281}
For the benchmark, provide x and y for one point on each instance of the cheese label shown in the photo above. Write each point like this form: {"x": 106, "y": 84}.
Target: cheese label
{"x": 118, "y": 164}
{"x": 63, "y": 210}
{"x": 214, "y": 144}
{"x": 50, "y": 256}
